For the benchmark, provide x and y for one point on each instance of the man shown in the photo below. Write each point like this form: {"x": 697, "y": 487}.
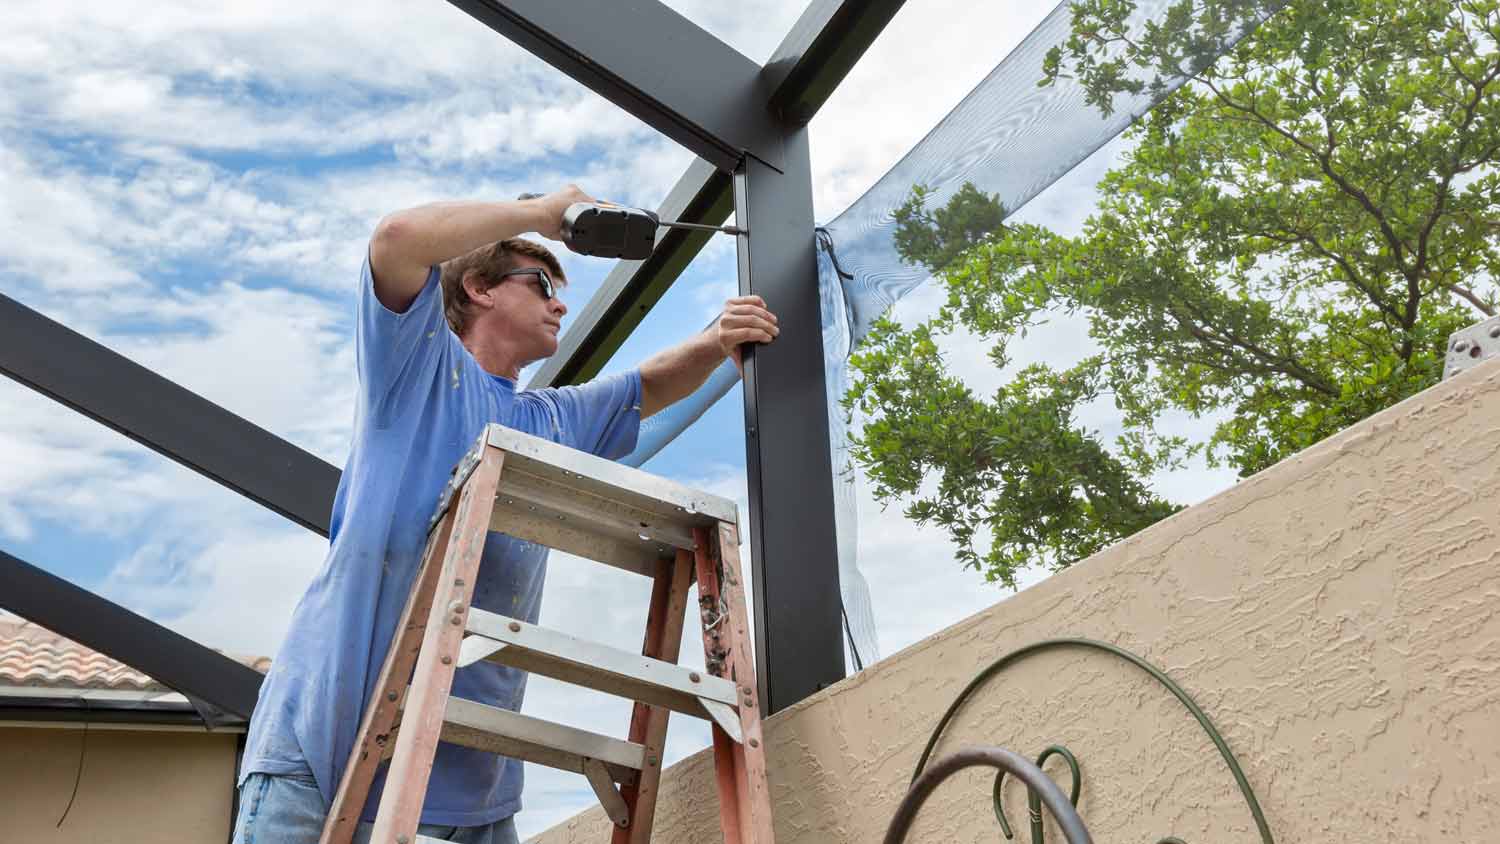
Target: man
{"x": 451, "y": 306}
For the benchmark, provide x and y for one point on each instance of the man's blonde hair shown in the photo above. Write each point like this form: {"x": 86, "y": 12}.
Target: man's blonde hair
{"x": 489, "y": 264}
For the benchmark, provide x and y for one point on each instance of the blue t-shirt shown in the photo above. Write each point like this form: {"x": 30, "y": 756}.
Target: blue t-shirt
{"x": 423, "y": 401}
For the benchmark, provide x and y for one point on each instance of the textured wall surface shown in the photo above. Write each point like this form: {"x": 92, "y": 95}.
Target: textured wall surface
{"x": 1337, "y": 615}
{"x": 137, "y": 787}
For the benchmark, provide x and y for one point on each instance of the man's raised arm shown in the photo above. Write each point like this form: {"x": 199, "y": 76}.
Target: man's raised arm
{"x": 408, "y": 243}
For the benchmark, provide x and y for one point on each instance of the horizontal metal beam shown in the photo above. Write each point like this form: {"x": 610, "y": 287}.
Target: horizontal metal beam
{"x": 810, "y": 62}
{"x": 652, "y": 62}
{"x": 109, "y": 388}
{"x": 167, "y": 657}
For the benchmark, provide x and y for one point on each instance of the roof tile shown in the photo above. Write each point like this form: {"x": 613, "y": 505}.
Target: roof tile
{"x": 31, "y": 655}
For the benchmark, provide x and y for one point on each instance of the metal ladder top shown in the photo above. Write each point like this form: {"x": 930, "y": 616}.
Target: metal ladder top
{"x": 595, "y": 508}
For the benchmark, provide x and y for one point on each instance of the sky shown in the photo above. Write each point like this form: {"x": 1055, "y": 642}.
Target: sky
{"x": 193, "y": 186}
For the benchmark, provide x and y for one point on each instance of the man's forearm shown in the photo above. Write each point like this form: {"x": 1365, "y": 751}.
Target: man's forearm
{"x": 431, "y": 234}
{"x": 674, "y": 374}
{"x": 407, "y": 243}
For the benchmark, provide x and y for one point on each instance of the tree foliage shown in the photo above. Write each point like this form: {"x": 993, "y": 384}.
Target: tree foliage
{"x": 1284, "y": 250}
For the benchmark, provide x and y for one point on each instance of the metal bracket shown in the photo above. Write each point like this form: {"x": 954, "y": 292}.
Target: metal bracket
{"x": 609, "y": 796}
{"x": 476, "y": 648}
{"x": 213, "y": 717}
{"x": 726, "y": 717}
{"x": 1468, "y": 347}
{"x": 456, "y": 481}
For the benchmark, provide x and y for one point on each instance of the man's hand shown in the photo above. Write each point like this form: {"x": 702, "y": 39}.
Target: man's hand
{"x": 745, "y": 320}
{"x": 551, "y": 207}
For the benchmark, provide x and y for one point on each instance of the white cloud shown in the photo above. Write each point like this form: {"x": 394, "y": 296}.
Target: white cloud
{"x": 319, "y": 76}
{"x": 258, "y": 569}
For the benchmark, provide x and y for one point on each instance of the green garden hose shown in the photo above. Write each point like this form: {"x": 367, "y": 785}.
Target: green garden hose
{"x": 1197, "y": 712}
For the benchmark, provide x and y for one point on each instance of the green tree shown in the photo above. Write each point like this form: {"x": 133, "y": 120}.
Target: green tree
{"x": 1285, "y": 248}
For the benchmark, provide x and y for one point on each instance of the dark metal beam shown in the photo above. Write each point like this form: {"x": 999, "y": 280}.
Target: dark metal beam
{"x": 819, "y": 51}
{"x": 169, "y": 658}
{"x": 652, "y": 62}
{"x": 798, "y": 606}
{"x": 107, "y": 387}
{"x": 810, "y": 62}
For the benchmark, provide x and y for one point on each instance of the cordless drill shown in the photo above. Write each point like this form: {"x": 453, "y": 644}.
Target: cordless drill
{"x": 607, "y": 230}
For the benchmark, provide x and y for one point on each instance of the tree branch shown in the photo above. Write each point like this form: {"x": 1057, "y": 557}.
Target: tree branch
{"x": 1472, "y": 298}
{"x": 1343, "y": 263}
{"x": 1270, "y": 361}
{"x": 1325, "y": 164}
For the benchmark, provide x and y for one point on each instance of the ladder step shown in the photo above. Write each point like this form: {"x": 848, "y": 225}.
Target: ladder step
{"x": 517, "y": 517}
{"x": 596, "y": 508}
{"x": 560, "y": 656}
{"x": 605, "y": 479}
{"x": 529, "y": 739}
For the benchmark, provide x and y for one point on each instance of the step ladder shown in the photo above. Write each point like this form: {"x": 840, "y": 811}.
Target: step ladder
{"x": 540, "y": 491}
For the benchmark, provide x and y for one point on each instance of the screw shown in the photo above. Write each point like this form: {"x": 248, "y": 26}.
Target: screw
{"x": 456, "y": 607}
{"x": 652, "y": 760}
{"x": 458, "y": 581}
{"x": 515, "y": 627}
{"x": 694, "y": 676}
{"x": 447, "y": 660}
{"x": 755, "y": 742}
{"x": 391, "y": 696}
{"x": 1461, "y": 346}
{"x": 456, "y": 621}
{"x": 402, "y": 839}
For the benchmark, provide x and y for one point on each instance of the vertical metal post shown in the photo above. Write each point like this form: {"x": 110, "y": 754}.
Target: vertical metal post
{"x": 798, "y": 634}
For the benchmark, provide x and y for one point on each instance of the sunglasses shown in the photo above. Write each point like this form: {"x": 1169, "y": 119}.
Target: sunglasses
{"x": 543, "y": 280}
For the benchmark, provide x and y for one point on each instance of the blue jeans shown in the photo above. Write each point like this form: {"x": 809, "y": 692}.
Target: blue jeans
{"x": 289, "y": 809}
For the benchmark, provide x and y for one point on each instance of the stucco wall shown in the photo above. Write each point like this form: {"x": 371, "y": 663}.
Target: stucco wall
{"x": 1337, "y": 615}
{"x": 137, "y": 787}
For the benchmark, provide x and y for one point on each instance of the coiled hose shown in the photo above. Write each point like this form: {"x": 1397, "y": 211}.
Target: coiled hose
{"x": 1048, "y": 793}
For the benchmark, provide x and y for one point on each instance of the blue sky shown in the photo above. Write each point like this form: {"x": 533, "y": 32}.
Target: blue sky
{"x": 194, "y": 188}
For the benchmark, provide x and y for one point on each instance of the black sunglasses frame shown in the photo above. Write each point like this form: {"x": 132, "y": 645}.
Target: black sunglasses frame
{"x": 543, "y": 280}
